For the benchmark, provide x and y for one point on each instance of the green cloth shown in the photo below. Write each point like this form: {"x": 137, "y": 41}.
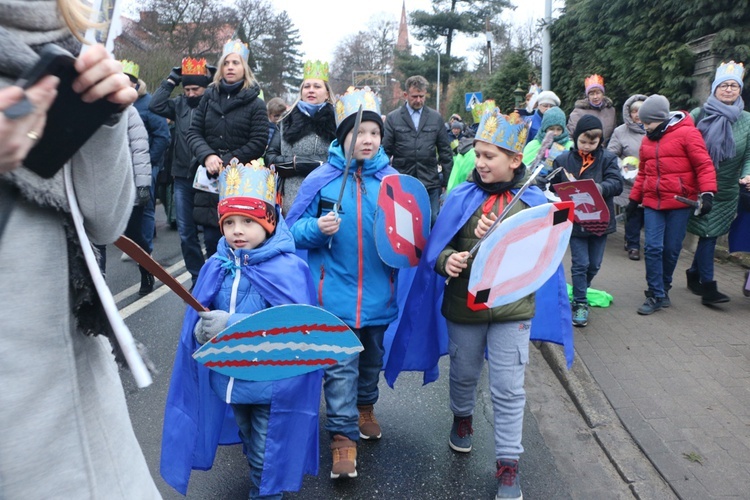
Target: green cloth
{"x": 596, "y": 298}
{"x": 463, "y": 164}
{"x": 718, "y": 221}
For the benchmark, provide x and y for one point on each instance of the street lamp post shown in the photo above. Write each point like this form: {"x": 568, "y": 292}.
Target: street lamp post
{"x": 437, "y": 105}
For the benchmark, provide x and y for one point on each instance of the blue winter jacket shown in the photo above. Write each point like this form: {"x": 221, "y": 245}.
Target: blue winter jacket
{"x": 352, "y": 281}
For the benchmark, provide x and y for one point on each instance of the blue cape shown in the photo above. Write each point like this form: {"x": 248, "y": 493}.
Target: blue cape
{"x": 322, "y": 176}
{"x": 420, "y": 336}
{"x": 196, "y": 420}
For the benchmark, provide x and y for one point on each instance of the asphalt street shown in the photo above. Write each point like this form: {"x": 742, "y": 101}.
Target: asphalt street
{"x": 562, "y": 460}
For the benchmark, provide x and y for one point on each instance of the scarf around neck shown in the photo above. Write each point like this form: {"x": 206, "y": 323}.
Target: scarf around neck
{"x": 716, "y": 128}
{"x": 498, "y": 187}
{"x": 310, "y": 109}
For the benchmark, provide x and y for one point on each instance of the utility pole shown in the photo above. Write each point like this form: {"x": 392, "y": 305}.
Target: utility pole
{"x": 437, "y": 101}
{"x": 490, "y": 38}
{"x": 547, "y": 47}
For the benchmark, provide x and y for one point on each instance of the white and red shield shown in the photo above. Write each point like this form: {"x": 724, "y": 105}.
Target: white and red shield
{"x": 591, "y": 210}
{"x": 402, "y": 220}
{"x": 520, "y": 255}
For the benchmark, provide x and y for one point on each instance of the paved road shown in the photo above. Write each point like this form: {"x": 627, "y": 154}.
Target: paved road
{"x": 563, "y": 458}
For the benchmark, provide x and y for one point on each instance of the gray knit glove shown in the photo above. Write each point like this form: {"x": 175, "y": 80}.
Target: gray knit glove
{"x": 210, "y": 325}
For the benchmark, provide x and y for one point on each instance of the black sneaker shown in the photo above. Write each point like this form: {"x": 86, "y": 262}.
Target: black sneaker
{"x": 508, "y": 486}
{"x": 651, "y": 305}
{"x": 461, "y": 432}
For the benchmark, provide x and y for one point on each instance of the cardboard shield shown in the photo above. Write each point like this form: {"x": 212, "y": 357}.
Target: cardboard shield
{"x": 520, "y": 256}
{"x": 402, "y": 220}
{"x": 279, "y": 342}
{"x": 591, "y": 211}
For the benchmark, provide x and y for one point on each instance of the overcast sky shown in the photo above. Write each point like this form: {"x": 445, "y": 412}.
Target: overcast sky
{"x": 323, "y": 27}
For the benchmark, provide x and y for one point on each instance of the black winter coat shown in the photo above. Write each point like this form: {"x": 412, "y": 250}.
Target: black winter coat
{"x": 181, "y": 114}
{"x": 229, "y": 126}
{"x": 604, "y": 172}
{"x": 416, "y": 152}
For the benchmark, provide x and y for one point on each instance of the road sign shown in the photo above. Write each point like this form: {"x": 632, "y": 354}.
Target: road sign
{"x": 472, "y": 98}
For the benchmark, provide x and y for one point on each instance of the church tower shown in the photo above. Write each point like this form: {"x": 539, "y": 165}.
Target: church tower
{"x": 402, "y": 43}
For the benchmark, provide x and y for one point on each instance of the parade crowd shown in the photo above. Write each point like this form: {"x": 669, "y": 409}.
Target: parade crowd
{"x": 285, "y": 198}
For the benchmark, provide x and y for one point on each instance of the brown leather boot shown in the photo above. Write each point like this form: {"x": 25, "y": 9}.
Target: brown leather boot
{"x": 369, "y": 428}
{"x": 344, "y": 453}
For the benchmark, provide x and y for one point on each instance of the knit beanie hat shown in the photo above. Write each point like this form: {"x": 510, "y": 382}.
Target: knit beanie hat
{"x": 548, "y": 97}
{"x": 586, "y": 123}
{"x": 553, "y": 116}
{"x": 728, "y": 71}
{"x": 655, "y": 109}
{"x": 347, "y": 125}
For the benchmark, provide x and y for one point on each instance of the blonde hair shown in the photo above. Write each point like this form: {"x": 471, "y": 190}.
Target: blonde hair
{"x": 249, "y": 77}
{"x": 329, "y": 100}
{"x": 77, "y": 17}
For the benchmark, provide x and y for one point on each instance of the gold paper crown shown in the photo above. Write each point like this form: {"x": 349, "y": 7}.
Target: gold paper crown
{"x": 236, "y": 46}
{"x": 194, "y": 67}
{"x": 506, "y": 132}
{"x": 479, "y": 109}
{"x": 249, "y": 190}
{"x": 594, "y": 81}
{"x": 130, "y": 68}
{"x": 348, "y": 104}
{"x": 315, "y": 69}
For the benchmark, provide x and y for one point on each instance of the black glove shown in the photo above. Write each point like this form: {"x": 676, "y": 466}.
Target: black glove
{"x": 631, "y": 208}
{"x": 707, "y": 203}
{"x": 142, "y": 196}
{"x": 176, "y": 75}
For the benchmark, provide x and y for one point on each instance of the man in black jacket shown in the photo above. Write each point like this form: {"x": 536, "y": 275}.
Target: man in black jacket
{"x": 180, "y": 110}
{"x": 416, "y": 139}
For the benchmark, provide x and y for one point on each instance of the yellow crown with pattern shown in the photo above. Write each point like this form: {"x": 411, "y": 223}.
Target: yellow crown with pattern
{"x": 315, "y": 69}
{"x": 236, "y": 46}
{"x": 479, "y": 109}
{"x": 194, "y": 67}
{"x": 248, "y": 190}
{"x": 506, "y": 132}
{"x": 130, "y": 68}
{"x": 594, "y": 81}
{"x": 349, "y": 103}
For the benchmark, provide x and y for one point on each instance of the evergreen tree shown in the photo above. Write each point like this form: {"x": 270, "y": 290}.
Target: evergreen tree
{"x": 513, "y": 69}
{"x": 280, "y": 61}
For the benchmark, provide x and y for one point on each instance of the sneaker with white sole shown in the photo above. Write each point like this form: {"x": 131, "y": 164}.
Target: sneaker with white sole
{"x": 508, "y": 485}
{"x": 461, "y": 432}
{"x": 344, "y": 455}
{"x": 369, "y": 428}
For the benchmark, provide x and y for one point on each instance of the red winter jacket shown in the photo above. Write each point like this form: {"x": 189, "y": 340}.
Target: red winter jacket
{"x": 676, "y": 164}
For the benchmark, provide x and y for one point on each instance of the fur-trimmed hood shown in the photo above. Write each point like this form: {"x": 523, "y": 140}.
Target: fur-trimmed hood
{"x": 297, "y": 125}
{"x": 585, "y": 104}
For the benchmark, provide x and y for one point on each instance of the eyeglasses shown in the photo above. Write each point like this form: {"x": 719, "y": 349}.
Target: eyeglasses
{"x": 729, "y": 86}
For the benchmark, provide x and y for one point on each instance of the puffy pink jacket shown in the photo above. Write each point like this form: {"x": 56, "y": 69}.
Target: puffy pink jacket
{"x": 676, "y": 164}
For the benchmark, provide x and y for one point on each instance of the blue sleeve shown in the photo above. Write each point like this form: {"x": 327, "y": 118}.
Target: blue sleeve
{"x": 305, "y": 231}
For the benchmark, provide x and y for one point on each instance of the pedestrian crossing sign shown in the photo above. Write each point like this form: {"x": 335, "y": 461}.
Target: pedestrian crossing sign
{"x": 472, "y": 99}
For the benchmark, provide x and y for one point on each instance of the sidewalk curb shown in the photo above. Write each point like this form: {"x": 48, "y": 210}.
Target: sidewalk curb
{"x": 631, "y": 463}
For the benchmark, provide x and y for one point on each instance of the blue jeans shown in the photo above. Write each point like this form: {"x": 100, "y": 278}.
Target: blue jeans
{"x": 507, "y": 345}
{"x": 665, "y": 230}
{"x": 354, "y": 382}
{"x": 703, "y": 261}
{"x": 186, "y": 226}
{"x": 586, "y": 256}
{"x": 253, "y": 423}
{"x": 149, "y": 213}
{"x": 434, "y": 195}
{"x": 633, "y": 226}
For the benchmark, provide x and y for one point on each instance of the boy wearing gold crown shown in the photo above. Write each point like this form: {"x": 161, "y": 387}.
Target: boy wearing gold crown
{"x": 425, "y": 332}
{"x": 254, "y": 268}
{"x": 341, "y": 249}
{"x": 194, "y": 75}
{"x": 597, "y": 104}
